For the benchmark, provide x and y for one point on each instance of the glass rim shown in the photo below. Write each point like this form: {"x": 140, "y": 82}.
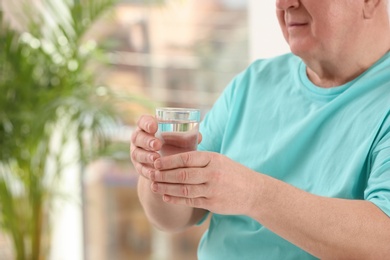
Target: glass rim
{"x": 176, "y": 114}
{"x": 177, "y": 109}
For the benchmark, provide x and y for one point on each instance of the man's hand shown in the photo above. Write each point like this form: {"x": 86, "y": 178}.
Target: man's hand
{"x": 206, "y": 180}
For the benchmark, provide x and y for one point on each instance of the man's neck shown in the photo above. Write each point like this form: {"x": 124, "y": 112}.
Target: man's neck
{"x": 332, "y": 74}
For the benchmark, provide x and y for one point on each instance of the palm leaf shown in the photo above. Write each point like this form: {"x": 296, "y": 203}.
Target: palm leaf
{"x": 45, "y": 81}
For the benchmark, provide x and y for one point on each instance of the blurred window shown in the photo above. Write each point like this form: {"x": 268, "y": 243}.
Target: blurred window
{"x": 174, "y": 53}
{"x": 179, "y": 52}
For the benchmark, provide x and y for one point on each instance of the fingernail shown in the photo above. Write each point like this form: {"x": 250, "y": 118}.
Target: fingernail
{"x": 152, "y": 143}
{"x": 152, "y": 157}
{"x": 166, "y": 198}
{"x": 157, "y": 164}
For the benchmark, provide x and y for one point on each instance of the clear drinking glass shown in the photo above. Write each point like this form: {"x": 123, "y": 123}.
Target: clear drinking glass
{"x": 178, "y": 129}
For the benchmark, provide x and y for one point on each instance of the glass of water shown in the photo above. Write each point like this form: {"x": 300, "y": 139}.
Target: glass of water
{"x": 178, "y": 129}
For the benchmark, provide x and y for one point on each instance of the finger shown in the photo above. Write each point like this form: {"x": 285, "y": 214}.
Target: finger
{"x": 179, "y": 190}
{"x": 145, "y": 140}
{"x": 181, "y": 175}
{"x": 200, "y": 202}
{"x": 200, "y": 137}
{"x": 189, "y": 159}
{"x": 142, "y": 156}
{"x": 148, "y": 124}
{"x": 144, "y": 170}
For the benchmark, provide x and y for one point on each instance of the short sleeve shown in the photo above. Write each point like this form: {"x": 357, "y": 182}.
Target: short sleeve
{"x": 378, "y": 185}
{"x": 214, "y": 123}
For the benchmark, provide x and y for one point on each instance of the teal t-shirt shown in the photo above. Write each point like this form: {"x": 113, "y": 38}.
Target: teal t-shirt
{"x": 331, "y": 142}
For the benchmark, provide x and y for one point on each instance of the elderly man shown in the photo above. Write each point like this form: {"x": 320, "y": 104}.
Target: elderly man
{"x": 294, "y": 161}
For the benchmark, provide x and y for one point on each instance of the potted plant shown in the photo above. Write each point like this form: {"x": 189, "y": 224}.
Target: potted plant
{"x": 49, "y": 96}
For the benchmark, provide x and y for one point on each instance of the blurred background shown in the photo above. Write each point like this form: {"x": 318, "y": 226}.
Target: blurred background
{"x": 75, "y": 75}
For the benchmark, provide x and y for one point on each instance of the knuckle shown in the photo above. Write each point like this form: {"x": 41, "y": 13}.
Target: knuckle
{"x": 216, "y": 177}
{"x": 218, "y": 173}
{"x": 185, "y": 190}
{"x": 144, "y": 156}
{"x": 209, "y": 191}
{"x": 161, "y": 176}
{"x": 182, "y": 175}
{"x": 186, "y": 158}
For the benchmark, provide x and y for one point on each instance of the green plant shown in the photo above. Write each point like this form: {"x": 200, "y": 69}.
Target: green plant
{"x": 49, "y": 96}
